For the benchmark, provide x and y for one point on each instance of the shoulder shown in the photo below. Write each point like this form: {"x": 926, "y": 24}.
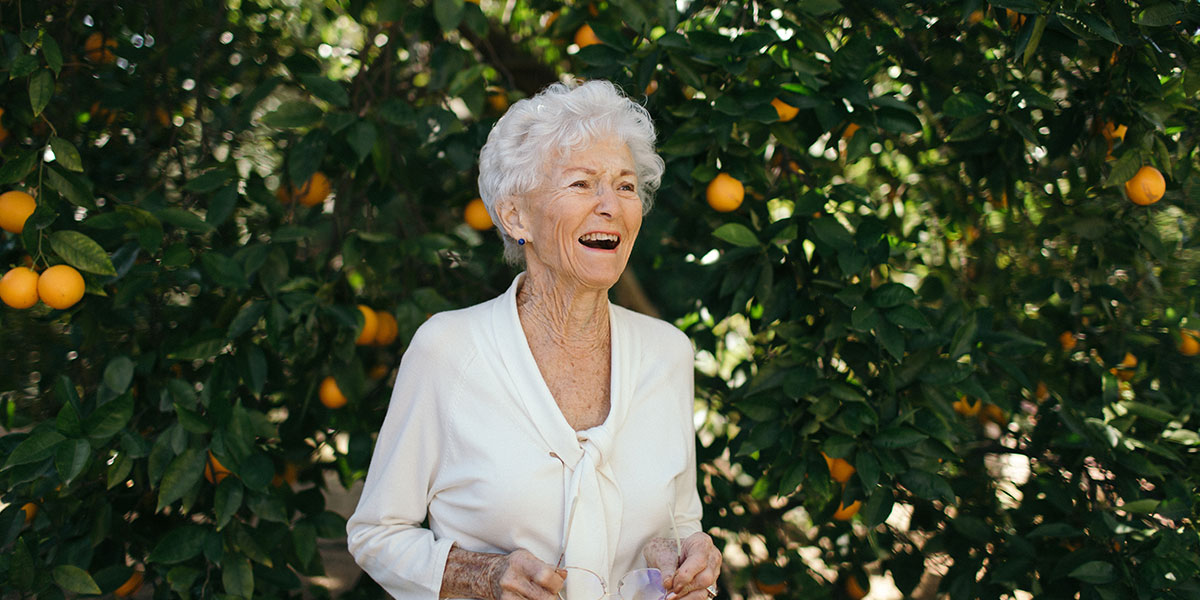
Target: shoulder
{"x": 654, "y": 336}
{"x": 451, "y": 334}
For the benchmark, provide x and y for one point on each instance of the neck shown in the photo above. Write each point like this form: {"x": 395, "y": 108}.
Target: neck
{"x": 569, "y": 316}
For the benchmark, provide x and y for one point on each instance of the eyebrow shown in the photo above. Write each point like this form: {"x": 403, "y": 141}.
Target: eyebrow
{"x": 623, "y": 172}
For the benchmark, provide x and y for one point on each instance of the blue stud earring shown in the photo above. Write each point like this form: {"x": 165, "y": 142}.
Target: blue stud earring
{"x": 521, "y": 242}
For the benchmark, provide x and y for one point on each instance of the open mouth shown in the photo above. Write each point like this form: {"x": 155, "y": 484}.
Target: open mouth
{"x": 600, "y": 241}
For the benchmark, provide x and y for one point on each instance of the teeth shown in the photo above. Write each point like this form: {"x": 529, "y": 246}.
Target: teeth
{"x": 598, "y": 237}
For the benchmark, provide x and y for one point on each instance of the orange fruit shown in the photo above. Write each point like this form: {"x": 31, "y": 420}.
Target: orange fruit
{"x": 387, "y": 329}
{"x": 1111, "y": 131}
{"x": 853, "y": 589}
{"x": 650, "y": 89}
{"x": 314, "y": 191}
{"x": 725, "y": 193}
{"x": 60, "y": 286}
{"x": 476, "y": 215}
{"x": 31, "y": 511}
{"x": 1128, "y": 367}
{"x": 993, "y": 413}
{"x": 18, "y": 287}
{"x": 3, "y": 131}
{"x": 378, "y": 371}
{"x": 1189, "y": 342}
{"x": 288, "y": 475}
{"x": 15, "y": 208}
{"x": 330, "y": 394}
{"x": 850, "y": 130}
{"x": 1042, "y": 392}
{"x": 771, "y": 589}
{"x": 1067, "y": 340}
{"x": 966, "y": 408}
{"x": 584, "y": 36}
{"x": 497, "y": 99}
{"x": 214, "y": 471}
{"x": 366, "y": 335}
{"x": 975, "y": 17}
{"x": 131, "y": 585}
{"x": 1146, "y": 187}
{"x": 786, "y": 111}
{"x": 839, "y": 468}
{"x": 845, "y": 513}
{"x": 98, "y": 48}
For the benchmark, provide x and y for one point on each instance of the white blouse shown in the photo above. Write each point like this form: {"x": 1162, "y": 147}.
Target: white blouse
{"x": 474, "y": 442}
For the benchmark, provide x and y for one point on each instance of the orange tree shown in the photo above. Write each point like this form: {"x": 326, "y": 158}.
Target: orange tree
{"x": 938, "y": 343}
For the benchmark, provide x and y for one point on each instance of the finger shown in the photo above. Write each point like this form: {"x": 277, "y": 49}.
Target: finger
{"x": 685, "y": 575}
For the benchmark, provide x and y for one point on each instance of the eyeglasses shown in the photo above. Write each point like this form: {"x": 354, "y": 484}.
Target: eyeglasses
{"x": 585, "y": 584}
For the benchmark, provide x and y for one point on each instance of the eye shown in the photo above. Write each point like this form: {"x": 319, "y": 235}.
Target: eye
{"x": 581, "y": 184}
{"x": 627, "y": 187}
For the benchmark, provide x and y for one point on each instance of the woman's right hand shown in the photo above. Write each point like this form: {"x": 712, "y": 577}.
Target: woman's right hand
{"x": 521, "y": 576}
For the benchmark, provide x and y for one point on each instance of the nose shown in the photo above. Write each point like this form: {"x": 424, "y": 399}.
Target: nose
{"x": 606, "y": 202}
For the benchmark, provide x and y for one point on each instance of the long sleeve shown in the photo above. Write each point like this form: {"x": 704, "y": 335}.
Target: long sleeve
{"x": 384, "y": 534}
{"x": 688, "y": 508}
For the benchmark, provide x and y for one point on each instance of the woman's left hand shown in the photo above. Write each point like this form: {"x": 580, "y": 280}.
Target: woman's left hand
{"x": 685, "y": 577}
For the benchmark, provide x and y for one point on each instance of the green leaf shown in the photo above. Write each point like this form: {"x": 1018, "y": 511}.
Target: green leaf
{"x": 66, "y": 154}
{"x": 68, "y": 421}
{"x": 1163, "y": 14}
{"x": 898, "y": 437}
{"x": 890, "y": 295}
{"x": 75, "y": 189}
{"x": 210, "y": 180}
{"x": 1145, "y": 506}
{"x": 304, "y": 540}
{"x": 181, "y": 475}
{"x": 179, "y": 544}
{"x": 1096, "y": 572}
{"x": 237, "y": 577}
{"x": 41, "y": 88}
{"x": 246, "y": 318}
{"x": 118, "y": 374}
{"x": 40, "y": 445}
{"x": 82, "y": 252}
{"x": 184, "y": 219}
{"x": 817, "y": 8}
{"x": 965, "y": 104}
{"x": 71, "y": 458}
{"x": 831, "y": 232}
{"x": 109, "y": 418}
{"x": 361, "y": 137}
{"x": 1124, "y": 169}
{"x": 908, "y": 317}
{"x": 927, "y": 485}
{"x": 305, "y": 157}
{"x": 203, "y": 345}
{"x": 227, "y": 500}
{"x": 53, "y": 54}
{"x": 737, "y": 234}
{"x": 293, "y": 114}
{"x": 15, "y": 169}
{"x": 73, "y": 579}
{"x": 325, "y": 89}
{"x": 449, "y": 13}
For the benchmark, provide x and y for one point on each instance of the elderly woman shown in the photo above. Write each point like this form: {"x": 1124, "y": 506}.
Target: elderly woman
{"x": 540, "y": 444}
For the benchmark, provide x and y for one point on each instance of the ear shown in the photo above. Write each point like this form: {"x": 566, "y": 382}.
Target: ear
{"x": 508, "y": 210}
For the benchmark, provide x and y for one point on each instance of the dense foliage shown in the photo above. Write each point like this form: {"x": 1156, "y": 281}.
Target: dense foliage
{"x": 937, "y": 278}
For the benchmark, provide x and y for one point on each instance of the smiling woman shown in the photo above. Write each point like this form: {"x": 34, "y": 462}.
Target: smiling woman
{"x": 546, "y": 431}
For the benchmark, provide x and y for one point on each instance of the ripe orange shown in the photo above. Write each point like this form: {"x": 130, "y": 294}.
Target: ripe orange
{"x": 387, "y": 329}
{"x": 3, "y": 131}
{"x": 1189, "y": 342}
{"x": 18, "y": 287}
{"x": 476, "y": 215}
{"x": 839, "y": 468}
{"x": 131, "y": 585}
{"x": 650, "y": 89}
{"x": 1128, "y": 367}
{"x": 98, "y": 48}
{"x": 1042, "y": 392}
{"x": 214, "y": 471}
{"x": 975, "y": 17}
{"x": 1146, "y": 187}
{"x": 289, "y": 475}
{"x": 15, "y": 208}
{"x": 993, "y": 413}
{"x": 1111, "y": 131}
{"x": 366, "y": 335}
{"x": 850, "y": 130}
{"x": 31, "y": 511}
{"x": 725, "y": 193}
{"x": 497, "y": 98}
{"x": 330, "y": 394}
{"x": 853, "y": 589}
{"x": 60, "y": 286}
{"x": 771, "y": 589}
{"x": 967, "y": 408}
{"x": 314, "y": 191}
{"x": 786, "y": 111}
{"x": 378, "y": 371}
{"x": 1067, "y": 340}
{"x": 845, "y": 513}
{"x": 585, "y": 37}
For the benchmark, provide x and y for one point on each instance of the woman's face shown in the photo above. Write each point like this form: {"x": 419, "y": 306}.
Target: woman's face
{"x": 583, "y": 220}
